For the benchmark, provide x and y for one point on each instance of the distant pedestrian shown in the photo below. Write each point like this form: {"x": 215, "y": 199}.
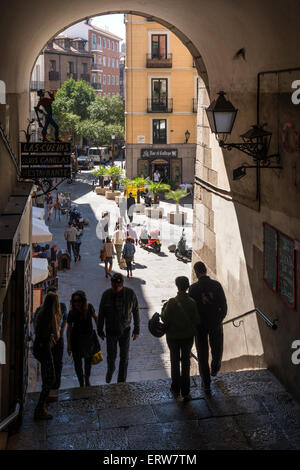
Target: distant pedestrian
{"x": 130, "y": 232}
{"x": 49, "y": 205}
{"x": 130, "y": 207}
{"x": 118, "y": 240}
{"x": 128, "y": 255}
{"x": 156, "y": 176}
{"x": 70, "y": 236}
{"x": 108, "y": 255}
{"x": 116, "y": 309}
{"x": 103, "y": 228}
{"x": 123, "y": 208}
{"x": 78, "y": 242}
{"x": 181, "y": 316}
{"x": 212, "y": 308}
{"x": 80, "y": 334}
{"x": 47, "y": 334}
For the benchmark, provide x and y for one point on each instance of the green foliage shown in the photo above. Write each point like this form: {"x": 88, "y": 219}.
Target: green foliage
{"x": 139, "y": 182}
{"x": 176, "y": 196}
{"x": 75, "y": 98}
{"x": 99, "y": 133}
{"x": 158, "y": 187}
{"x": 108, "y": 110}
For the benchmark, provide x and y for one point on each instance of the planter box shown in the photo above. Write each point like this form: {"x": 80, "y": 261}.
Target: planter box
{"x": 112, "y": 194}
{"x": 154, "y": 212}
{"x": 101, "y": 191}
{"x": 177, "y": 218}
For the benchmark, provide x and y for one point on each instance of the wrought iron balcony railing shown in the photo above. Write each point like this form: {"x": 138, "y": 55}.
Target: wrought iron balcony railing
{"x": 162, "y": 106}
{"x": 72, "y": 75}
{"x": 85, "y": 76}
{"x": 97, "y": 86}
{"x": 53, "y": 75}
{"x": 36, "y": 85}
{"x": 156, "y": 61}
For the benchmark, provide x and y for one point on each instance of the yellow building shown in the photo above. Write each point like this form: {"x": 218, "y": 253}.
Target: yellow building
{"x": 161, "y": 102}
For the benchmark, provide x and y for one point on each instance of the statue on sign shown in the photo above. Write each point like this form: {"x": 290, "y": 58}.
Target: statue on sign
{"x": 46, "y": 104}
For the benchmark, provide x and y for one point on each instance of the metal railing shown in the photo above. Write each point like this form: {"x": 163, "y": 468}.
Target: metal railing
{"x": 12, "y": 417}
{"x": 154, "y": 61}
{"x": 85, "y": 76}
{"x": 72, "y": 75}
{"x": 37, "y": 85}
{"x": 163, "y": 106}
{"x": 53, "y": 75}
{"x": 268, "y": 321}
{"x": 96, "y": 85}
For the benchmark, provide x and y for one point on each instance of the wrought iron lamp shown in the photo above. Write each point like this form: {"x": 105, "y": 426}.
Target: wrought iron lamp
{"x": 221, "y": 115}
{"x": 187, "y": 136}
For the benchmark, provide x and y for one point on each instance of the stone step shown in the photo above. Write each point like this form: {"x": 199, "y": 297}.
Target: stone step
{"x": 247, "y": 410}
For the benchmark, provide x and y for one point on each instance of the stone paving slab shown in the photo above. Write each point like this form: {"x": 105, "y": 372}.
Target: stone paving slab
{"x": 144, "y": 415}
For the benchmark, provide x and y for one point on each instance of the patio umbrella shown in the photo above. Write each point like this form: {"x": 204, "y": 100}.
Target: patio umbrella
{"x": 38, "y": 212}
{"x": 40, "y": 231}
{"x": 39, "y": 270}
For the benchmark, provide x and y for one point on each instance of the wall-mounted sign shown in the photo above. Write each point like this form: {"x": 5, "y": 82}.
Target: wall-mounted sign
{"x": 156, "y": 153}
{"x": 141, "y": 139}
{"x": 45, "y": 160}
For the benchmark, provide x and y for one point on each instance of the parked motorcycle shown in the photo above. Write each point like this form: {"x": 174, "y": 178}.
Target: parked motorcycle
{"x": 150, "y": 241}
{"x": 182, "y": 252}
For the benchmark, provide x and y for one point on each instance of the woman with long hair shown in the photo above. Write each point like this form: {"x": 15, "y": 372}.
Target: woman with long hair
{"x": 46, "y": 335}
{"x": 80, "y": 334}
{"x": 108, "y": 255}
{"x": 128, "y": 254}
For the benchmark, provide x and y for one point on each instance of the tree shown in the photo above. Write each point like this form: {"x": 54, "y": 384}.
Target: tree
{"x": 115, "y": 173}
{"x": 156, "y": 188}
{"x": 108, "y": 110}
{"x": 100, "y": 173}
{"x": 177, "y": 195}
{"x": 99, "y": 133}
{"x": 75, "y": 98}
{"x": 139, "y": 183}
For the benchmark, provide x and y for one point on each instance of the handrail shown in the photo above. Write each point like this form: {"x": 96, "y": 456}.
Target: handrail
{"x": 9, "y": 149}
{"x": 268, "y": 321}
{"x": 10, "y": 418}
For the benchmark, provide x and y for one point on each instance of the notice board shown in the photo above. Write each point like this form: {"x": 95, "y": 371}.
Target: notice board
{"x": 286, "y": 269}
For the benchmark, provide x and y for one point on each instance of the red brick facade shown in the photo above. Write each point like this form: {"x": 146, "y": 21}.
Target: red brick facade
{"x": 105, "y": 75}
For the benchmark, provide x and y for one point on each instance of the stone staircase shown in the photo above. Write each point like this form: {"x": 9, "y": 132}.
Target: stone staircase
{"x": 247, "y": 410}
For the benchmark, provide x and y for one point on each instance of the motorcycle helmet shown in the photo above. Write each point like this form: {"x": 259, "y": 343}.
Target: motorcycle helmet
{"x": 156, "y": 327}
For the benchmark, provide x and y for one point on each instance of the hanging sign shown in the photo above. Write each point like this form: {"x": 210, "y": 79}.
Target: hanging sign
{"x": 45, "y": 160}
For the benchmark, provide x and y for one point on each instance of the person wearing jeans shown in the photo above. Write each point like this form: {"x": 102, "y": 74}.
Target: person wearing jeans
{"x": 181, "y": 317}
{"x": 71, "y": 235}
{"x": 117, "y": 307}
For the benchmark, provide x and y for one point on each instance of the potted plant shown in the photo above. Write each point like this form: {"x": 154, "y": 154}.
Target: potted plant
{"x": 114, "y": 172}
{"x": 156, "y": 188}
{"x": 177, "y": 217}
{"x": 100, "y": 173}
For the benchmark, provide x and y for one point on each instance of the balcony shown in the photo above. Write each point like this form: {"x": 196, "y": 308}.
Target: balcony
{"x": 96, "y": 67}
{"x": 36, "y": 85}
{"x": 162, "y": 106}
{"x": 72, "y": 75}
{"x": 97, "y": 86}
{"x": 195, "y": 105}
{"x": 53, "y": 75}
{"x": 159, "y": 62}
{"x": 85, "y": 76}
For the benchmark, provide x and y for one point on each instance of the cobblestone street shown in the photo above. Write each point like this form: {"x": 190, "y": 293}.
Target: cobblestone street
{"x": 153, "y": 280}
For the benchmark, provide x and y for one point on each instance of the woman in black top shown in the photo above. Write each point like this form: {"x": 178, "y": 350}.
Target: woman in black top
{"x": 80, "y": 334}
{"x": 46, "y": 327}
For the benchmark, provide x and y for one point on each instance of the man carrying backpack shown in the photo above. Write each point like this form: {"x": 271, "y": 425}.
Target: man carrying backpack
{"x": 212, "y": 308}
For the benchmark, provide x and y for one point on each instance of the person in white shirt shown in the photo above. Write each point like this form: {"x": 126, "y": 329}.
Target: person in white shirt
{"x": 156, "y": 176}
{"x": 118, "y": 240}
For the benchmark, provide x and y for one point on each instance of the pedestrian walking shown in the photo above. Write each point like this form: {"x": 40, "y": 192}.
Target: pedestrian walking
{"x": 47, "y": 334}
{"x": 212, "y": 308}
{"x": 128, "y": 255}
{"x": 103, "y": 228}
{"x": 117, "y": 307}
{"x": 70, "y": 236}
{"x": 58, "y": 348}
{"x": 130, "y": 232}
{"x": 80, "y": 335}
{"x": 181, "y": 317}
{"x": 130, "y": 207}
{"x": 118, "y": 240}
{"x": 123, "y": 209}
{"x": 49, "y": 205}
{"x": 108, "y": 255}
{"x": 78, "y": 242}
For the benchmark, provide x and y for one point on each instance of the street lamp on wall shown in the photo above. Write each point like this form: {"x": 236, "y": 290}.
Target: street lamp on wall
{"x": 187, "y": 136}
{"x": 221, "y": 116}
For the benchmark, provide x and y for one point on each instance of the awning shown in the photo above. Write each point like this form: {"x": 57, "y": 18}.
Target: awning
{"x": 38, "y": 212}
{"x": 40, "y": 231}
{"x": 39, "y": 270}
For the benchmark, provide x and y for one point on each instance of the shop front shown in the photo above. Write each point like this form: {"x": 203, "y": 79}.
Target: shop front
{"x": 161, "y": 165}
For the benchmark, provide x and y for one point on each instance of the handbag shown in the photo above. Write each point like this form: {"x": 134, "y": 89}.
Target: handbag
{"x": 89, "y": 345}
{"x": 156, "y": 327}
{"x": 97, "y": 358}
{"x": 102, "y": 255}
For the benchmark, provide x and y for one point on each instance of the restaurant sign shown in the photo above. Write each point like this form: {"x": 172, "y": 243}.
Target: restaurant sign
{"x": 45, "y": 160}
{"x": 159, "y": 153}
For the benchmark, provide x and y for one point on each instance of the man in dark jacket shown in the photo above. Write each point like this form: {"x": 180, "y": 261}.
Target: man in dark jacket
{"x": 212, "y": 308}
{"x": 116, "y": 306}
{"x": 130, "y": 206}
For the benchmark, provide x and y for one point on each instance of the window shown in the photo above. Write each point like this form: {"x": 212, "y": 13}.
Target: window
{"x": 108, "y": 79}
{"x": 94, "y": 78}
{"x": 104, "y": 79}
{"x": 99, "y": 43}
{"x": 84, "y": 68}
{"x": 112, "y": 45}
{"x": 103, "y": 43}
{"x": 94, "y": 39}
{"x": 52, "y": 65}
{"x": 279, "y": 264}
{"x": 117, "y": 63}
{"x": 108, "y": 44}
{"x": 113, "y": 62}
{"x": 71, "y": 67}
{"x": 159, "y": 93}
{"x": 159, "y": 131}
{"x": 117, "y": 80}
{"x": 99, "y": 81}
{"x": 159, "y": 46}
{"x": 94, "y": 59}
{"x": 99, "y": 59}
{"x": 104, "y": 61}
{"x": 112, "y": 79}
{"x": 108, "y": 62}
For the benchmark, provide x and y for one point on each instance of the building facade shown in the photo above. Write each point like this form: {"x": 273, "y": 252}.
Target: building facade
{"x": 161, "y": 93}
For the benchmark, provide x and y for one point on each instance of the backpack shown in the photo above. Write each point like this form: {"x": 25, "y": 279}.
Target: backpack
{"x": 211, "y": 302}
{"x": 156, "y": 327}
